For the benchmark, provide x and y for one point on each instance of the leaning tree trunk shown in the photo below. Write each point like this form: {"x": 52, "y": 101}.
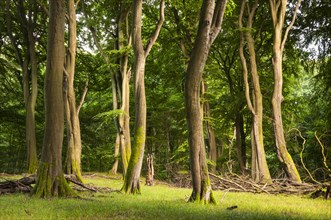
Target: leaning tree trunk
{"x": 50, "y": 178}
{"x": 260, "y": 170}
{"x": 211, "y": 18}
{"x": 132, "y": 178}
{"x": 72, "y": 119}
{"x": 278, "y": 11}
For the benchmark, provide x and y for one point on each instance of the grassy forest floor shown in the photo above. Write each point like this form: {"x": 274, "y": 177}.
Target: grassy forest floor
{"x": 161, "y": 201}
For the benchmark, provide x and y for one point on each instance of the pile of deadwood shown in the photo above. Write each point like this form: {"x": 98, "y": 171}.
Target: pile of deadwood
{"x": 25, "y": 184}
{"x": 236, "y": 183}
{"x": 229, "y": 183}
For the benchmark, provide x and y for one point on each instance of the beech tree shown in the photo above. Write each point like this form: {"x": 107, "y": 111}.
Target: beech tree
{"x": 50, "y": 178}
{"x": 132, "y": 178}
{"x": 260, "y": 170}
{"x": 278, "y": 13}
{"x": 210, "y": 22}
{"x": 26, "y": 55}
{"x": 73, "y": 164}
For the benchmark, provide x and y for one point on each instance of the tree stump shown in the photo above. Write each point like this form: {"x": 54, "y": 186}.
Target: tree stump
{"x": 150, "y": 170}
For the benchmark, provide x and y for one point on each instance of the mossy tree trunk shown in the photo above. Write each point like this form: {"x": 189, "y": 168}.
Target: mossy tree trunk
{"x": 73, "y": 163}
{"x": 50, "y": 178}
{"x": 123, "y": 90}
{"x": 278, "y": 13}
{"x": 132, "y": 179}
{"x": 260, "y": 170}
{"x": 28, "y": 62}
{"x": 211, "y": 17}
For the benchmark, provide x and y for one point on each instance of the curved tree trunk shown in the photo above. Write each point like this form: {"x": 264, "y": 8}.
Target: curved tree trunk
{"x": 28, "y": 63}
{"x": 211, "y": 18}
{"x": 123, "y": 90}
{"x": 278, "y": 11}
{"x": 132, "y": 178}
{"x": 50, "y": 178}
{"x": 72, "y": 119}
{"x": 260, "y": 170}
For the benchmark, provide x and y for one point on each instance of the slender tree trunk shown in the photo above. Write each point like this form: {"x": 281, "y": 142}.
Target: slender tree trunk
{"x": 72, "y": 119}
{"x": 124, "y": 119}
{"x": 28, "y": 64}
{"x": 260, "y": 170}
{"x": 278, "y": 11}
{"x": 50, "y": 178}
{"x": 211, "y": 18}
{"x": 240, "y": 142}
{"x": 117, "y": 151}
{"x": 210, "y": 134}
{"x": 132, "y": 178}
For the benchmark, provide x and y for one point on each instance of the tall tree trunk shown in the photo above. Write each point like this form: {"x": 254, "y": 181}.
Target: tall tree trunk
{"x": 260, "y": 170}
{"x": 50, "y": 178}
{"x": 123, "y": 87}
{"x": 132, "y": 178}
{"x": 211, "y": 18}
{"x": 28, "y": 64}
{"x": 72, "y": 119}
{"x": 210, "y": 134}
{"x": 278, "y": 11}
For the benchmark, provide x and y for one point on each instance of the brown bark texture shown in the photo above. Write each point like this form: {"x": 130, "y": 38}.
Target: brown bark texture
{"x": 210, "y": 133}
{"x": 28, "y": 63}
{"x": 278, "y": 13}
{"x": 73, "y": 163}
{"x": 50, "y": 178}
{"x": 150, "y": 170}
{"x": 132, "y": 179}
{"x": 211, "y": 17}
{"x": 260, "y": 170}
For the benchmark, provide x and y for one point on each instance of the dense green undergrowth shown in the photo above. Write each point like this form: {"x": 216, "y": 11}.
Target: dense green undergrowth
{"x": 161, "y": 202}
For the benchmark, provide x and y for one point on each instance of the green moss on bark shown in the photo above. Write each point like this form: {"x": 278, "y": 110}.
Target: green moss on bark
{"x": 48, "y": 186}
{"x": 129, "y": 185}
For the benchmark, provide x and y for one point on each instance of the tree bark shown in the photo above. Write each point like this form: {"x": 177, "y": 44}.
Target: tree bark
{"x": 241, "y": 142}
{"x": 260, "y": 170}
{"x": 132, "y": 178}
{"x": 50, "y": 178}
{"x": 72, "y": 119}
{"x": 278, "y": 11}
{"x": 150, "y": 170}
{"x": 124, "y": 89}
{"x": 210, "y": 21}
{"x": 29, "y": 76}
{"x": 210, "y": 134}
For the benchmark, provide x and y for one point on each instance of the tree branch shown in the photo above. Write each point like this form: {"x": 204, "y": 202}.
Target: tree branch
{"x": 243, "y": 59}
{"x": 83, "y": 97}
{"x": 290, "y": 26}
{"x": 217, "y": 19}
{"x": 157, "y": 30}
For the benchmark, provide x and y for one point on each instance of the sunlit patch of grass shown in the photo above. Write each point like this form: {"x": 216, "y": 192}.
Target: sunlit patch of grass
{"x": 161, "y": 202}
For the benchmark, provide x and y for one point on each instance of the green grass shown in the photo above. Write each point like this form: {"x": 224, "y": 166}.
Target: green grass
{"x": 162, "y": 202}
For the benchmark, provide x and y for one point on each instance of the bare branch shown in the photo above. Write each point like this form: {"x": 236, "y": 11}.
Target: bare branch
{"x": 322, "y": 147}
{"x": 290, "y": 26}
{"x": 157, "y": 30}
{"x": 243, "y": 59}
{"x": 83, "y": 97}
